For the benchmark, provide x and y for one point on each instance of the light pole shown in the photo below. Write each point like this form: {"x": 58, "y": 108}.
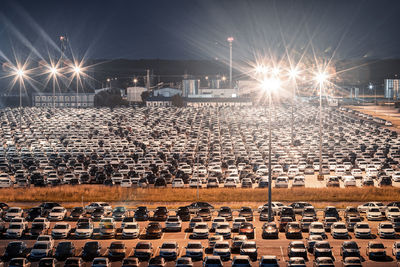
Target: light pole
{"x": 20, "y": 74}
{"x": 270, "y": 85}
{"x": 53, "y": 74}
{"x": 230, "y": 41}
{"x": 77, "y": 71}
{"x": 320, "y": 78}
{"x": 293, "y": 73}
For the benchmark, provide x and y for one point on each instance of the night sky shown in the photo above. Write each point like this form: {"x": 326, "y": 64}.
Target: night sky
{"x": 197, "y": 29}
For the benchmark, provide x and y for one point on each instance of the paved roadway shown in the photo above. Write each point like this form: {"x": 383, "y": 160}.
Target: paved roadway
{"x": 266, "y": 247}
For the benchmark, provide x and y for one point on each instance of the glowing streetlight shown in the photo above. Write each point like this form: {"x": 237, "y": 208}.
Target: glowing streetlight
{"x": 230, "y": 41}
{"x": 78, "y": 71}
{"x": 270, "y": 85}
{"x": 320, "y": 78}
{"x": 223, "y": 78}
{"x": 20, "y": 73}
{"x": 293, "y": 73}
{"x": 276, "y": 71}
{"x": 261, "y": 69}
{"x": 53, "y": 71}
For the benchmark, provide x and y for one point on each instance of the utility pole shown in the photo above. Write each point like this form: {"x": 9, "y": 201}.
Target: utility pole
{"x": 148, "y": 80}
{"x": 230, "y": 40}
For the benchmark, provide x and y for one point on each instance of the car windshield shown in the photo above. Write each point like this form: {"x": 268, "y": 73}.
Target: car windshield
{"x": 386, "y": 226}
{"x": 142, "y": 246}
{"x": 249, "y": 245}
{"x": 130, "y": 226}
{"x": 40, "y": 246}
{"x": 363, "y": 226}
{"x": 201, "y": 226}
{"x": 15, "y": 226}
{"x": 340, "y": 226}
{"x": 318, "y": 226}
{"x": 297, "y": 245}
{"x": 323, "y": 245}
{"x": 194, "y": 245}
{"x": 377, "y": 245}
{"x": 221, "y": 245}
{"x": 168, "y": 245}
{"x": 60, "y": 226}
{"x": 117, "y": 246}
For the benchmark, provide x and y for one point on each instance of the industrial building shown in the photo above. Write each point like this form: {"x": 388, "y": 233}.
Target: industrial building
{"x": 134, "y": 94}
{"x": 391, "y": 89}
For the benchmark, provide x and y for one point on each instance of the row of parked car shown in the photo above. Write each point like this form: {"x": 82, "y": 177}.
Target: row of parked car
{"x": 142, "y": 146}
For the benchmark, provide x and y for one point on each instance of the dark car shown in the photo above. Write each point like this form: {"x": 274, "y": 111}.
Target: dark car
{"x": 160, "y": 182}
{"x": 47, "y": 262}
{"x": 385, "y": 181}
{"x": 288, "y": 212}
{"x": 331, "y": 211}
{"x": 205, "y": 214}
{"x": 396, "y": 223}
{"x": 34, "y": 213}
{"x": 154, "y": 230}
{"x": 298, "y": 207}
{"x": 183, "y": 213}
{"x": 351, "y": 222}
{"x": 73, "y": 262}
{"x": 247, "y": 213}
{"x": 157, "y": 261}
{"x": 4, "y": 206}
{"x": 270, "y": 230}
{"x": 349, "y": 249}
{"x": 130, "y": 262}
{"x": 117, "y": 250}
{"x": 160, "y": 214}
{"x": 76, "y": 213}
{"x": 247, "y": 229}
{"x": 141, "y": 214}
{"x": 91, "y": 250}
{"x": 16, "y": 249}
{"x": 98, "y": 214}
{"x": 367, "y": 182}
{"x": 38, "y": 229}
{"x": 309, "y": 212}
{"x": 143, "y": 250}
{"x": 64, "y": 250}
{"x": 264, "y": 214}
{"x": 226, "y": 213}
{"x": 283, "y": 221}
{"x": 293, "y": 230}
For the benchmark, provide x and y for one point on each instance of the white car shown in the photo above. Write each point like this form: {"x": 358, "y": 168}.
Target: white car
{"x": 339, "y": 230}
{"x": 131, "y": 230}
{"x": 222, "y": 249}
{"x": 386, "y": 230}
{"x": 223, "y": 229}
{"x": 299, "y": 181}
{"x": 84, "y": 230}
{"x": 362, "y": 230}
{"x": 13, "y": 212}
{"x": 396, "y": 177}
{"x": 200, "y": 230}
{"x": 178, "y": 183}
{"x": 282, "y": 182}
{"x": 230, "y": 183}
{"x": 15, "y": 230}
{"x": 316, "y": 228}
{"x": 194, "y": 182}
{"x": 276, "y": 207}
{"x": 375, "y": 214}
{"x": 106, "y": 221}
{"x": 126, "y": 183}
{"x": 392, "y": 212}
{"x": 61, "y": 230}
{"x": 216, "y": 221}
{"x": 92, "y": 206}
{"x": 357, "y": 173}
{"x": 366, "y": 206}
{"x": 20, "y": 220}
{"x": 57, "y": 214}
{"x": 349, "y": 181}
{"x": 173, "y": 223}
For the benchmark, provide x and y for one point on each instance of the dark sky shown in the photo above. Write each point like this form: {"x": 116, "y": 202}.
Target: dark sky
{"x": 197, "y": 29}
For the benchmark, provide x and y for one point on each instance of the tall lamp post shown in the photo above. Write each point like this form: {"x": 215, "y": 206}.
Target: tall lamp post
{"x": 230, "y": 41}
{"x": 77, "y": 71}
{"x": 293, "y": 73}
{"x": 269, "y": 85}
{"x": 321, "y": 79}
{"x": 53, "y": 74}
{"x": 20, "y": 75}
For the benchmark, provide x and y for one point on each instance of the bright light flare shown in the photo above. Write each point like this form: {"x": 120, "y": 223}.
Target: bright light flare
{"x": 276, "y": 71}
{"x": 20, "y": 73}
{"x": 53, "y": 70}
{"x": 230, "y": 39}
{"x": 294, "y": 73}
{"x": 77, "y": 69}
{"x": 321, "y": 77}
{"x": 271, "y": 84}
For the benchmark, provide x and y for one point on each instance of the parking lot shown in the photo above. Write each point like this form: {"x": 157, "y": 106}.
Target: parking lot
{"x": 277, "y": 247}
{"x": 207, "y": 147}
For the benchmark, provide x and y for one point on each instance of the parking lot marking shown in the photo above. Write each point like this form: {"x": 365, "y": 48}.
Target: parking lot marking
{"x": 186, "y": 236}
{"x": 283, "y": 257}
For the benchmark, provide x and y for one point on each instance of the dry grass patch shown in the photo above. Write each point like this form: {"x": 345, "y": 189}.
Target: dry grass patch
{"x": 89, "y": 193}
